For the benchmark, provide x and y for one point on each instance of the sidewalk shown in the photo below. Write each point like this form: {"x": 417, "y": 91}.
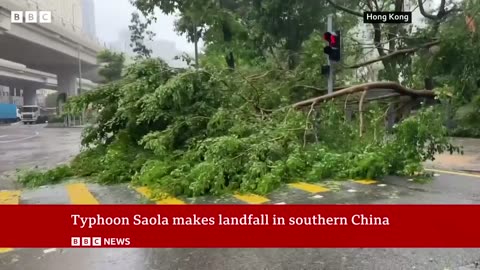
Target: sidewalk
{"x": 469, "y": 161}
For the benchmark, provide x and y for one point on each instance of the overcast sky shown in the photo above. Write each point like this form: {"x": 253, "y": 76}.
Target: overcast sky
{"x": 113, "y": 16}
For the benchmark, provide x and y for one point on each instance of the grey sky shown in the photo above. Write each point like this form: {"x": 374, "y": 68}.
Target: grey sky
{"x": 113, "y": 16}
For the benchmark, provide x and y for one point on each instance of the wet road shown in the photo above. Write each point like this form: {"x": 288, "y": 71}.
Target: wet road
{"x": 469, "y": 161}
{"x": 25, "y": 147}
{"x": 446, "y": 188}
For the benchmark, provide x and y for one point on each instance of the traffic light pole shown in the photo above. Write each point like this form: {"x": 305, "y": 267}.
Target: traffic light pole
{"x": 330, "y": 63}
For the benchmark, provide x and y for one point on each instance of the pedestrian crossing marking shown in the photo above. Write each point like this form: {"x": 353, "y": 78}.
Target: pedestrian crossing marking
{"x": 309, "y": 187}
{"x": 5, "y": 250}
{"x": 10, "y": 197}
{"x": 148, "y": 194}
{"x": 79, "y": 194}
{"x": 365, "y": 181}
{"x": 251, "y": 198}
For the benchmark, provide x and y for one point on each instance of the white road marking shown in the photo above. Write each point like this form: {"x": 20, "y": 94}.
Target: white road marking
{"x": 317, "y": 197}
{"x": 49, "y": 250}
{"x": 22, "y": 139}
{"x": 382, "y": 185}
{"x": 351, "y": 190}
{"x": 281, "y": 203}
{"x": 453, "y": 172}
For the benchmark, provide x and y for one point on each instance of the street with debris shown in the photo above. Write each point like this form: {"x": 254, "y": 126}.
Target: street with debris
{"x": 234, "y": 111}
{"x": 31, "y": 146}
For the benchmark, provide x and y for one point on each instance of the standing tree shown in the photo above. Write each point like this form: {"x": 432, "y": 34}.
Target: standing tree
{"x": 260, "y": 27}
{"x": 396, "y": 43}
{"x": 139, "y": 33}
{"x": 112, "y": 65}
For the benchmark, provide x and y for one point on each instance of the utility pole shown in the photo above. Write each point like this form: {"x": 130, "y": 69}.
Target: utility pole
{"x": 79, "y": 78}
{"x": 330, "y": 63}
{"x": 79, "y": 71}
{"x": 195, "y": 37}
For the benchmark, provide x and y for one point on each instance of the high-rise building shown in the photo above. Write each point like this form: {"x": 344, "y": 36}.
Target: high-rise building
{"x": 89, "y": 17}
{"x": 79, "y": 13}
{"x": 69, "y": 11}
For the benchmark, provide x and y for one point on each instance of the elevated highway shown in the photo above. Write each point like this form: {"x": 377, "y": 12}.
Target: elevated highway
{"x": 18, "y": 76}
{"x": 58, "y": 48}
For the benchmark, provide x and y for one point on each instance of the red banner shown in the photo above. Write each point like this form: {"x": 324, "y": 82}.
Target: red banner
{"x": 61, "y": 226}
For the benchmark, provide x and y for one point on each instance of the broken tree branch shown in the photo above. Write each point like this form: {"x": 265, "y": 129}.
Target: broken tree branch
{"x": 398, "y": 52}
{"x": 318, "y": 89}
{"x": 360, "y": 111}
{"x": 442, "y": 12}
{"x": 306, "y": 124}
{"x": 424, "y": 12}
{"x": 366, "y": 87}
{"x": 351, "y": 11}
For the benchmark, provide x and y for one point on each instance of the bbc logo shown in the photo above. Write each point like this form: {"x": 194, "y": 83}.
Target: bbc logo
{"x": 86, "y": 241}
{"x": 31, "y": 17}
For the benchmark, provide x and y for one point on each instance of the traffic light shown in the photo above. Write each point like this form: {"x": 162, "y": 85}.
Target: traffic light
{"x": 333, "y": 48}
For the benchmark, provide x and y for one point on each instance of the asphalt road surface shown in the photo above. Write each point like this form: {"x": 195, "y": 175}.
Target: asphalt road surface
{"x": 26, "y": 147}
{"x": 446, "y": 188}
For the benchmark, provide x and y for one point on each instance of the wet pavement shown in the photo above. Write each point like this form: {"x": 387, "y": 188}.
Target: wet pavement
{"x": 30, "y": 146}
{"x": 445, "y": 188}
{"x": 469, "y": 161}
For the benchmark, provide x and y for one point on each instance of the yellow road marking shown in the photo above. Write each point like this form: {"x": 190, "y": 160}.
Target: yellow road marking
{"x": 452, "y": 172}
{"x": 309, "y": 187}
{"x": 148, "y": 193}
{"x": 365, "y": 182}
{"x": 251, "y": 198}
{"x": 79, "y": 194}
{"x": 10, "y": 197}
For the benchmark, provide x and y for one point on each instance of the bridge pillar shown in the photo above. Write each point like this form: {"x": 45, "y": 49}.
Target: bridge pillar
{"x": 30, "y": 96}
{"x": 67, "y": 83}
{"x": 12, "y": 90}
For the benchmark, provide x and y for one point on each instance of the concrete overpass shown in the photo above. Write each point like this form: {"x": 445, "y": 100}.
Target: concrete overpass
{"x": 18, "y": 77}
{"x": 58, "y": 48}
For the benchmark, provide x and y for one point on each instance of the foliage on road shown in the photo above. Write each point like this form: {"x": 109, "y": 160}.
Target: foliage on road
{"x": 209, "y": 131}
{"x": 229, "y": 124}
{"x": 35, "y": 178}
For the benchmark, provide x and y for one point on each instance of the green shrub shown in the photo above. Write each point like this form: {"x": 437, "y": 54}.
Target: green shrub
{"x": 34, "y": 178}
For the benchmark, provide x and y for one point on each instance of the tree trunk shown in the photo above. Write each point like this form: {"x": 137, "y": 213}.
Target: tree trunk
{"x": 196, "y": 44}
{"x": 230, "y": 59}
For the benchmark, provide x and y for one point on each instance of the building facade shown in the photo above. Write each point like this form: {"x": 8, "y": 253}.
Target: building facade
{"x": 66, "y": 11}
{"x": 89, "y": 18}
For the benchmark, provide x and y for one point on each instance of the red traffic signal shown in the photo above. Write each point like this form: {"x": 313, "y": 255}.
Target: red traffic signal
{"x": 332, "y": 39}
{"x": 333, "y": 48}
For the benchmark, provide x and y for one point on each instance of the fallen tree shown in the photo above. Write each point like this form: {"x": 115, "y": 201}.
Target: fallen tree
{"x": 402, "y": 90}
{"x": 195, "y": 133}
